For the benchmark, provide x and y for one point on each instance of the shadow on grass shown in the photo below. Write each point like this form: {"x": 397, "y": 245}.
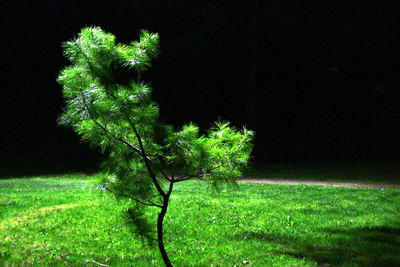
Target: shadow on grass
{"x": 385, "y": 172}
{"x": 375, "y": 246}
{"x": 4, "y": 256}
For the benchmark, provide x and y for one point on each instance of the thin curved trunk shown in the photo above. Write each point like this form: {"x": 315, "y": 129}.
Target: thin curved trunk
{"x": 160, "y": 221}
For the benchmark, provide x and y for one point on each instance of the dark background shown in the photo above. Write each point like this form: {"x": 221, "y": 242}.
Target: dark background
{"x": 316, "y": 80}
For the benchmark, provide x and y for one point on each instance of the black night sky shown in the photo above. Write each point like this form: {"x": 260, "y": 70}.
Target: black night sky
{"x": 316, "y": 80}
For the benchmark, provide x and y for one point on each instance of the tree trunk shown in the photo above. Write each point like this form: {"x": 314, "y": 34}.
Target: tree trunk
{"x": 160, "y": 228}
{"x": 160, "y": 236}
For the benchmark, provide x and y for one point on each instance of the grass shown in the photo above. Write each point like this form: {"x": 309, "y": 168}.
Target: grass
{"x": 66, "y": 221}
{"x": 374, "y": 172}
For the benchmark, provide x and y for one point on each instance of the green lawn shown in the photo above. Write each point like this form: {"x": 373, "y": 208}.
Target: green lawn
{"x": 64, "y": 221}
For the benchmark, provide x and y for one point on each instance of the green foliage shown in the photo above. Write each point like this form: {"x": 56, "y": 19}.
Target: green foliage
{"x": 108, "y": 114}
{"x": 218, "y": 157}
{"x": 145, "y": 157}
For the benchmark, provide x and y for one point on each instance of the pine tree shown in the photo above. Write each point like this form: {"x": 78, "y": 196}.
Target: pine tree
{"x": 145, "y": 157}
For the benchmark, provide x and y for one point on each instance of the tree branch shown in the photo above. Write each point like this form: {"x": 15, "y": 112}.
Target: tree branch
{"x": 139, "y": 150}
{"x": 105, "y": 129}
{"x": 199, "y": 176}
{"x": 150, "y": 203}
{"x": 184, "y": 178}
{"x": 165, "y": 175}
{"x": 102, "y": 126}
{"x": 144, "y": 156}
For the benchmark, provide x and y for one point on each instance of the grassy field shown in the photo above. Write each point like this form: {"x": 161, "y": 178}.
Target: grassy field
{"x": 65, "y": 221}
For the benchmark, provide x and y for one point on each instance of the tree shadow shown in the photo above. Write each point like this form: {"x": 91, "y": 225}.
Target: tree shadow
{"x": 375, "y": 246}
{"x": 4, "y": 257}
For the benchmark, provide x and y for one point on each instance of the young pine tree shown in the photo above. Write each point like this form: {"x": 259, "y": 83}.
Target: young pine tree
{"x": 145, "y": 157}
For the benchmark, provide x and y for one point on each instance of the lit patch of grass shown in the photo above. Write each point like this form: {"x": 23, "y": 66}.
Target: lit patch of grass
{"x": 32, "y": 215}
{"x": 66, "y": 222}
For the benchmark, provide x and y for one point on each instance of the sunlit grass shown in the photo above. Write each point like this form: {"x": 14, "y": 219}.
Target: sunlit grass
{"x": 64, "y": 222}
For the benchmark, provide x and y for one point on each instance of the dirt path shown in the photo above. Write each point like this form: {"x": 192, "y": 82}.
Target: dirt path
{"x": 307, "y": 182}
